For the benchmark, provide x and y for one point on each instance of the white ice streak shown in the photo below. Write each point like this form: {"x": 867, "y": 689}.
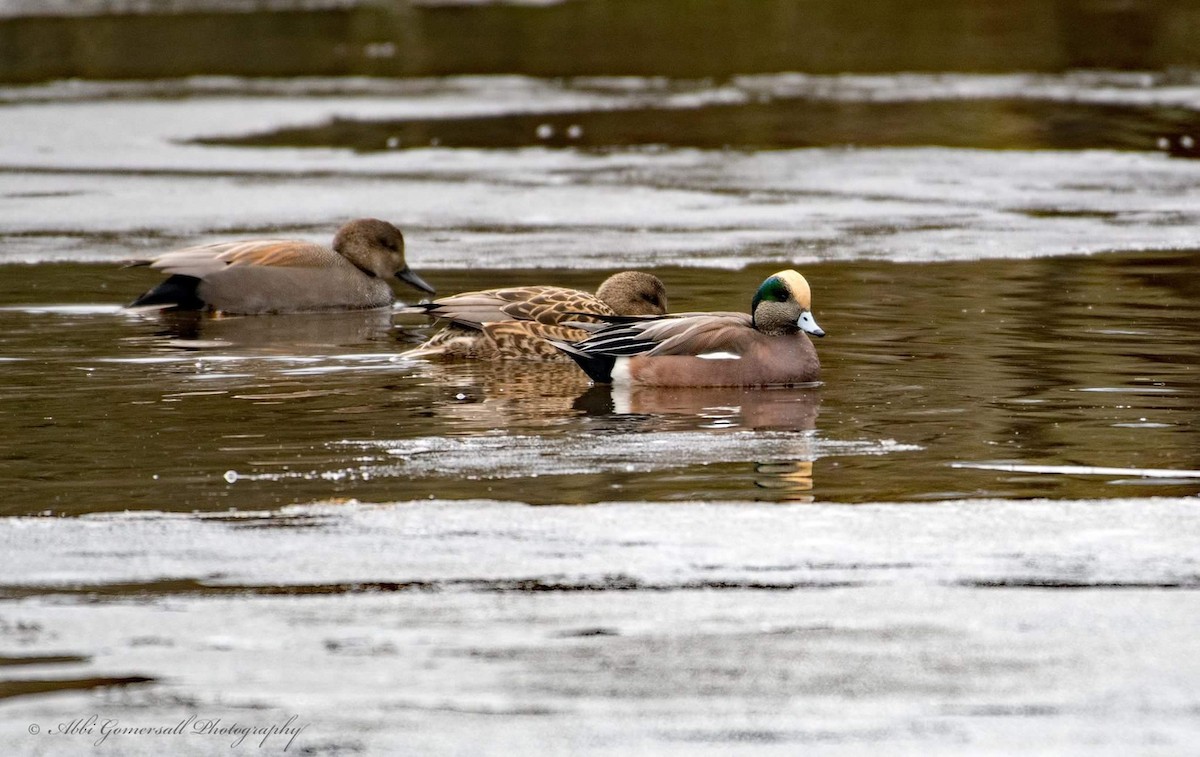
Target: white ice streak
{"x": 64, "y": 309}
{"x": 1094, "y": 87}
{"x": 1083, "y": 470}
{"x": 68, "y": 8}
{"x": 500, "y": 456}
{"x": 978, "y": 626}
{"x": 103, "y": 188}
{"x": 1084, "y": 542}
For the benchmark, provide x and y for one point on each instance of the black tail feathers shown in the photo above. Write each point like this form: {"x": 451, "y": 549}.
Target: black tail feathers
{"x": 598, "y": 367}
{"x": 177, "y": 292}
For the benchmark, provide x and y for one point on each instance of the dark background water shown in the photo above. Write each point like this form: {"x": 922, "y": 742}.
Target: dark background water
{"x": 677, "y": 41}
{"x": 775, "y": 123}
{"x": 673, "y": 38}
{"x": 1056, "y": 362}
{"x": 975, "y": 536}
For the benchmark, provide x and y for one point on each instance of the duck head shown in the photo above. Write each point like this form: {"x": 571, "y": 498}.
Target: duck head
{"x": 377, "y": 249}
{"x": 783, "y": 305}
{"x": 634, "y": 293}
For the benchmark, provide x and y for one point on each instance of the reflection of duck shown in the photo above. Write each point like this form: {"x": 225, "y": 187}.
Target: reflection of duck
{"x": 514, "y": 323}
{"x": 775, "y": 408}
{"x": 788, "y": 476}
{"x": 770, "y": 346}
{"x": 286, "y": 275}
{"x": 498, "y": 395}
{"x": 292, "y": 333}
{"x": 791, "y": 479}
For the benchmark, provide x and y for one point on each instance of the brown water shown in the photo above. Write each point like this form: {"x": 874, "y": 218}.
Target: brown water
{"x": 630, "y": 37}
{"x": 1055, "y": 363}
{"x": 256, "y": 519}
{"x": 778, "y": 123}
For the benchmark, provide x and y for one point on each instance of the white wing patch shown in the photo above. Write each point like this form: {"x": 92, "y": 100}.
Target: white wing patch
{"x": 719, "y": 356}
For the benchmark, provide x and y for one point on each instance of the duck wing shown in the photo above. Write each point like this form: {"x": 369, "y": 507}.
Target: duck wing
{"x": 205, "y": 260}
{"x": 541, "y": 304}
{"x": 688, "y": 334}
{"x": 530, "y": 340}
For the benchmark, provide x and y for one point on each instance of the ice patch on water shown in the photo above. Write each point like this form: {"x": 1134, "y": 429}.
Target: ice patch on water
{"x": 347, "y": 363}
{"x": 61, "y": 8}
{"x": 538, "y": 207}
{"x": 1082, "y": 470}
{"x": 64, "y": 309}
{"x": 469, "y": 542}
{"x": 1096, "y": 87}
{"x": 185, "y": 358}
{"x": 1018, "y": 621}
{"x": 503, "y": 456}
{"x": 500, "y": 456}
{"x": 523, "y": 94}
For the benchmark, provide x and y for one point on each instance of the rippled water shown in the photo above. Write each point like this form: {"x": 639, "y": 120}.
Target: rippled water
{"x": 257, "y": 519}
{"x": 941, "y": 381}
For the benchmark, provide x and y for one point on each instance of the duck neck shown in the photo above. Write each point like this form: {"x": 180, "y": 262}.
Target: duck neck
{"x": 774, "y": 319}
{"x": 363, "y": 268}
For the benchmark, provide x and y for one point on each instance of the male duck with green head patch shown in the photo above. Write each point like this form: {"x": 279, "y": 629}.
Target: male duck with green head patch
{"x": 770, "y": 346}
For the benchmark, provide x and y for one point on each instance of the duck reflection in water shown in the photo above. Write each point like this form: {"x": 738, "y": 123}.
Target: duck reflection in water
{"x": 787, "y": 477}
{"x": 479, "y": 396}
{"x": 488, "y": 396}
{"x": 286, "y": 334}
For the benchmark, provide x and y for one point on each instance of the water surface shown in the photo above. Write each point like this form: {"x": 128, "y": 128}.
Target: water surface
{"x": 976, "y": 535}
{"x": 941, "y": 381}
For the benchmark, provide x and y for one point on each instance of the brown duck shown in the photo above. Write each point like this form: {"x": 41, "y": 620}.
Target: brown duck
{"x": 769, "y": 346}
{"x": 286, "y": 275}
{"x": 515, "y": 323}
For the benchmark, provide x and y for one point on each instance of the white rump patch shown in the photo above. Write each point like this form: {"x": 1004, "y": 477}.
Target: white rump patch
{"x": 719, "y": 356}
{"x": 620, "y": 371}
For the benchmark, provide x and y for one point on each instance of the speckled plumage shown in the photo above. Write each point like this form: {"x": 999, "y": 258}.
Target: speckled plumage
{"x": 515, "y": 323}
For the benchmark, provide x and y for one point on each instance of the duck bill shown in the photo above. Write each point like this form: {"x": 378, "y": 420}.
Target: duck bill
{"x": 410, "y": 277}
{"x": 808, "y": 324}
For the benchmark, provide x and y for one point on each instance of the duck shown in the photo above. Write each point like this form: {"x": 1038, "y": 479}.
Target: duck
{"x": 285, "y": 275}
{"x": 517, "y": 323}
{"x": 770, "y": 346}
